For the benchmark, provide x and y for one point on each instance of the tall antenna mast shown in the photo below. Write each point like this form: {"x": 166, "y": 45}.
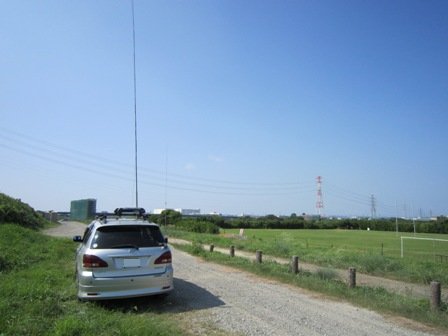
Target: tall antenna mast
{"x": 135, "y": 108}
{"x": 166, "y": 178}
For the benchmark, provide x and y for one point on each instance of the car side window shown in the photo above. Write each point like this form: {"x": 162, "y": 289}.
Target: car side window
{"x": 86, "y": 235}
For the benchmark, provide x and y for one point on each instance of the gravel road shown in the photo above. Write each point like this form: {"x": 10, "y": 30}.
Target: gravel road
{"x": 239, "y": 302}
{"x": 216, "y": 297}
{"x": 66, "y": 229}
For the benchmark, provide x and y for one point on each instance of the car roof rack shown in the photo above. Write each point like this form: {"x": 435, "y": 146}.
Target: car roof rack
{"x": 139, "y": 212}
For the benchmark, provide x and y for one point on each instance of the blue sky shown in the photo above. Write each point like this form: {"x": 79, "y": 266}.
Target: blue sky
{"x": 240, "y": 104}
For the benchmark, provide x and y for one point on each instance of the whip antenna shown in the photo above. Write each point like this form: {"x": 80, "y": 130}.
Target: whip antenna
{"x": 135, "y": 108}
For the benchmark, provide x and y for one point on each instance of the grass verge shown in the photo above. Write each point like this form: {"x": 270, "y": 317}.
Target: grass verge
{"x": 377, "y": 299}
{"x": 38, "y": 294}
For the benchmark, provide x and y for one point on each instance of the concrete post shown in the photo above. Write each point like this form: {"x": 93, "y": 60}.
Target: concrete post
{"x": 436, "y": 293}
{"x": 295, "y": 265}
{"x": 258, "y": 256}
{"x": 352, "y": 277}
{"x": 232, "y": 251}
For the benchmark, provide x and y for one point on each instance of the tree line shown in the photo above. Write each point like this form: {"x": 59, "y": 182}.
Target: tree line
{"x": 212, "y": 223}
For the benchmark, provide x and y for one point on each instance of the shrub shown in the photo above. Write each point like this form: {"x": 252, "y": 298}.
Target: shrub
{"x": 168, "y": 217}
{"x": 197, "y": 226}
{"x": 197, "y": 249}
{"x": 14, "y": 211}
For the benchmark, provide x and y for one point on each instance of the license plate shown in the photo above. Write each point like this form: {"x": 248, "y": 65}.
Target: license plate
{"x": 131, "y": 262}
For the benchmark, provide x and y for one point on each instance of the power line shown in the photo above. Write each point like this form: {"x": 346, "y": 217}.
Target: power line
{"x": 65, "y": 157}
{"x": 119, "y": 170}
{"x": 109, "y": 163}
{"x": 108, "y": 167}
{"x": 356, "y": 197}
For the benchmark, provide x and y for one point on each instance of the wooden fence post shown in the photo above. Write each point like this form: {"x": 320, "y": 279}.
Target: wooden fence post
{"x": 232, "y": 251}
{"x": 352, "y": 277}
{"x": 295, "y": 264}
{"x": 212, "y": 247}
{"x": 435, "y": 295}
{"x": 258, "y": 256}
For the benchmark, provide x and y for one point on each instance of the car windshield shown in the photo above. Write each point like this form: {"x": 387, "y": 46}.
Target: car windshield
{"x": 132, "y": 236}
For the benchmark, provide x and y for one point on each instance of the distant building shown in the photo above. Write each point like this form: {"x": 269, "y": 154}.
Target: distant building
{"x": 214, "y": 213}
{"x": 83, "y": 209}
{"x": 189, "y": 212}
{"x": 185, "y": 212}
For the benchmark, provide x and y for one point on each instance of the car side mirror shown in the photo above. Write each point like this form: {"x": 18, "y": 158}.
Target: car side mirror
{"x": 77, "y": 239}
{"x": 166, "y": 240}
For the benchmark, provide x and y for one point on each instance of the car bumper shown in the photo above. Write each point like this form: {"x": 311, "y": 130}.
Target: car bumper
{"x": 97, "y": 288}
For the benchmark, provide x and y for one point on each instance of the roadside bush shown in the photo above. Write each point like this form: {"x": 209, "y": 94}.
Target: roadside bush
{"x": 197, "y": 226}
{"x": 197, "y": 249}
{"x": 167, "y": 217}
{"x": 14, "y": 211}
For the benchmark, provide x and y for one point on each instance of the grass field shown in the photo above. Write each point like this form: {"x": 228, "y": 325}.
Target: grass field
{"x": 370, "y": 252}
{"x": 351, "y": 241}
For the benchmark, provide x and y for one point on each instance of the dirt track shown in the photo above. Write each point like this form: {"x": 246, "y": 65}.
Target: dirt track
{"x": 213, "y": 298}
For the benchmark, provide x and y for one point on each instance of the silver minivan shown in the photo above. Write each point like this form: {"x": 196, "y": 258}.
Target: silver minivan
{"x": 122, "y": 257}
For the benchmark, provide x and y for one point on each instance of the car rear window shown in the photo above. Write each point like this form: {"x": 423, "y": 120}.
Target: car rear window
{"x": 127, "y": 236}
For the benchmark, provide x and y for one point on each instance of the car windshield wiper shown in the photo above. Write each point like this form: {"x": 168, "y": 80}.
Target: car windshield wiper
{"x": 126, "y": 246}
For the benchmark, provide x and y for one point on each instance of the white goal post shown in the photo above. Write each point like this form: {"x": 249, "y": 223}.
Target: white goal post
{"x": 416, "y": 238}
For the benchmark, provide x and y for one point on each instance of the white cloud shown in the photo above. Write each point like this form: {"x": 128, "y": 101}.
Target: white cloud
{"x": 215, "y": 158}
{"x": 189, "y": 166}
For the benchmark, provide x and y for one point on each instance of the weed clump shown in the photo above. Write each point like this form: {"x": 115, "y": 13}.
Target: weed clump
{"x": 326, "y": 274}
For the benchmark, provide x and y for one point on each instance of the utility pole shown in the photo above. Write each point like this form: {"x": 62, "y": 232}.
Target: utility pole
{"x": 319, "y": 202}
{"x": 396, "y": 218}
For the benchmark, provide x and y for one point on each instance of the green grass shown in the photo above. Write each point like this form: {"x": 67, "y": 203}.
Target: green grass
{"x": 372, "y": 252}
{"x": 324, "y": 282}
{"x": 38, "y": 294}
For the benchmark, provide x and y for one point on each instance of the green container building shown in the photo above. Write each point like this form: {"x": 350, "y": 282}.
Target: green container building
{"x": 83, "y": 209}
